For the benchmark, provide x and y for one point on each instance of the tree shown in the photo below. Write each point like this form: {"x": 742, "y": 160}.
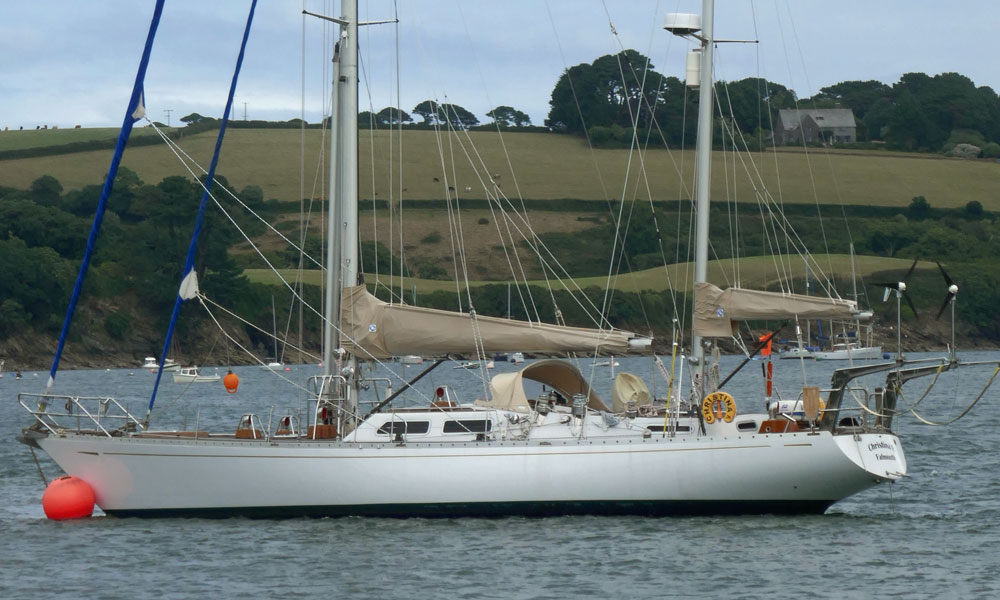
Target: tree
{"x": 991, "y": 150}
{"x": 876, "y": 119}
{"x": 754, "y": 102}
{"x": 457, "y": 116}
{"x": 859, "y": 96}
{"x": 928, "y": 109}
{"x": 393, "y": 116}
{"x": 909, "y": 126}
{"x": 506, "y": 116}
{"x": 46, "y": 190}
{"x": 889, "y": 237}
{"x": 156, "y": 245}
{"x": 434, "y": 113}
{"x": 46, "y": 226}
{"x": 619, "y": 89}
{"x": 428, "y": 110}
{"x": 13, "y": 317}
{"x": 974, "y": 208}
{"x": 37, "y": 281}
{"x": 919, "y": 208}
{"x": 192, "y": 118}
{"x": 253, "y": 196}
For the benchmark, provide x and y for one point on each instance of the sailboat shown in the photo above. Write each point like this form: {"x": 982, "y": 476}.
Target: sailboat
{"x": 564, "y": 451}
{"x": 847, "y": 345}
{"x": 275, "y": 363}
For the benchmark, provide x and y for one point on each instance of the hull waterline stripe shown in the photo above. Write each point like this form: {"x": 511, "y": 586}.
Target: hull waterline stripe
{"x": 659, "y": 508}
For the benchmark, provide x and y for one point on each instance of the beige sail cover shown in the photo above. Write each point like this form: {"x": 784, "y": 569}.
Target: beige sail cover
{"x": 376, "y": 329}
{"x": 716, "y": 309}
{"x": 507, "y": 389}
{"x": 629, "y": 389}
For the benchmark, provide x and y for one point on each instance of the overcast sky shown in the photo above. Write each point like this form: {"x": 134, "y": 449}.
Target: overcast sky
{"x": 70, "y": 62}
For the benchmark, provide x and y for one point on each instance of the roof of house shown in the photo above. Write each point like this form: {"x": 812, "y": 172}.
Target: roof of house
{"x": 824, "y": 117}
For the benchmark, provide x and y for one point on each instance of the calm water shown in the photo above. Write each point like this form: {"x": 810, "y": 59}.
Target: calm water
{"x": 933, "y": 535}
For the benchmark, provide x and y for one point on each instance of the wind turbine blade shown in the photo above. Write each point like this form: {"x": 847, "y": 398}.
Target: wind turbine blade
{"x": 909, "y": 303}
{"x": 945, "y": 275}
{"x": 947, "y": 299}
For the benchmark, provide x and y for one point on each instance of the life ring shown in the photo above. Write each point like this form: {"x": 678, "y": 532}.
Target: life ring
{"x": 718, "y": 406}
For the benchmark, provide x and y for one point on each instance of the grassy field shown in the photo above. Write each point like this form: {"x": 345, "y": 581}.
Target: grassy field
{"x": 532, "y": 166}
{"x": 754, "y": 272}
{"x": 33, "y": 138}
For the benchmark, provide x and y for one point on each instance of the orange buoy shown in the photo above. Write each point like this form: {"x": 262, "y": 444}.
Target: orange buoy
{"x": 231, "y": 381}
{"x": 68, "y": 498}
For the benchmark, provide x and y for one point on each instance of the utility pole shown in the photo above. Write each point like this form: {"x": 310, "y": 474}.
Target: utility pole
{"x": 244, "y": 111}
{"x": 168, "y": 111}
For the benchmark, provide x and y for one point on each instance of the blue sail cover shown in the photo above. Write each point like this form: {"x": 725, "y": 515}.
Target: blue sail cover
{"x": 188, "y": 287}
{"x": 135, "y": 111}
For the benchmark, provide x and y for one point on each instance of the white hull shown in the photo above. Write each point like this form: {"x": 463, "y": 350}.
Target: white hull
{"x": 178, "y": 378}
{"x": 796, "y": 353}
{"x": 753, "y": 473}
{"x": 866, "y": 353}
{"x": 152, "y": 366}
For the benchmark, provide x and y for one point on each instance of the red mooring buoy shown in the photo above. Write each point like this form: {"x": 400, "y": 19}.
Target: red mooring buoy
{"x": 68, "y": 498}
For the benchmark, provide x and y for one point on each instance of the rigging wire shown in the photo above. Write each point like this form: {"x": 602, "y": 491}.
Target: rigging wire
{"x": 489, "y": 191}
{"x": 180, "y": 152}
{"x": 982, "y": 392}
{"x": 343, "y": 334}
{"x": 805, "y": 147}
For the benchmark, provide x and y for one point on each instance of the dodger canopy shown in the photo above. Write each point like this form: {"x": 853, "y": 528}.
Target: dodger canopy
{"x": 507, "y": 389}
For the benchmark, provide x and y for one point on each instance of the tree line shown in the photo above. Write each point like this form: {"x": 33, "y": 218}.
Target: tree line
{"x": 618, "y": 96}
{"x": 147, "y": 229}
{"x": 435, "y": 114}
{"x": 606, "y": 98}
{"x": 140, "y": 252}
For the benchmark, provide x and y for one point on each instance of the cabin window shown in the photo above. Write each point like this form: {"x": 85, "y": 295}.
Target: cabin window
{"x": 479, "y": 426}
{"x": 404, "y": 427}
{"x": 661, "y": 428}
{"x": 747, "y": 426}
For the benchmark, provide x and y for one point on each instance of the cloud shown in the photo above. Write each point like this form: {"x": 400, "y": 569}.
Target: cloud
{"x": 70, "y": 62}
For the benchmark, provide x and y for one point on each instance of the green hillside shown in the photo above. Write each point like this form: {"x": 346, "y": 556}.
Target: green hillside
{"x": 34, "y": 138}
{"x": 544, "y": 167}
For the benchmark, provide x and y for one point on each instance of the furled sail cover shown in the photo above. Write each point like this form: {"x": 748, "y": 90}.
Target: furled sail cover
{"x": 716, "y": 309}
{"x": 507, "y": 389}
{"x": 629, "y": 389}
{"x": 376, "y": 329}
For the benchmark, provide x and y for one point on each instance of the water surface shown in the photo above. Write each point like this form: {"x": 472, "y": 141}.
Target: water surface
{"x": 933, "y": 535}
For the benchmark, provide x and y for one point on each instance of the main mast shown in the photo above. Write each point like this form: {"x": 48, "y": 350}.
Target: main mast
{"x": 348, "y": 157}
{"x": 703, "y": 172}
{"x": 342, "y": 234}
{"x": 701, "y": 29}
